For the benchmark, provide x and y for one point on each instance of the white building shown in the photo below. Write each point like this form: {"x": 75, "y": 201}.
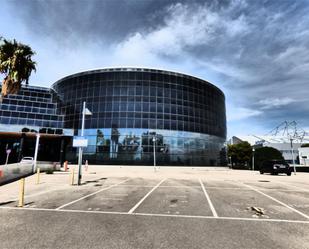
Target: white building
{"x": 280, "y": 143}
{"x": 304, "y": 156}
{"x": 285, "y": 149}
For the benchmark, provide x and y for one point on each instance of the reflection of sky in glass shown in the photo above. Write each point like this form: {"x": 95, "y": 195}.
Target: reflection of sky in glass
{"x": 181, "y": 110}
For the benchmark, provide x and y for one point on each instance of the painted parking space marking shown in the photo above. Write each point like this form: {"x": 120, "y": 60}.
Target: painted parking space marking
{"x": 213, "y": 210}
{"x": 296, "y": 199}
{"x": 126, "y": 201}
{"x": 144, "y": 198}
{"x": 172, "y": 198}
{"x": 280, "y": 202}
{"x": 94, "y": 193}
{"x": 154, "y": 215}
{"x": 183, "y": 201}
{"x": 239, "y": 203}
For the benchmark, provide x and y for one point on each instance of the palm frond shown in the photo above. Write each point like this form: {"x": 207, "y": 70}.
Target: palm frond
{"x": 16, "y": 64}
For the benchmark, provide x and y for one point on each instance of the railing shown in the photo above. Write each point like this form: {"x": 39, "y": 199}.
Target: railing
{"x": 15, "y": 171}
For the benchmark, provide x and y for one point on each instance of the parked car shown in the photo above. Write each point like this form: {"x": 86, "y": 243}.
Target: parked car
{"x": 27, "y": 159}
{"x": 275, "y": 167}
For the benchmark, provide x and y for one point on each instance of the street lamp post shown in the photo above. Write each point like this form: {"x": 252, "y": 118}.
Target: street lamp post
{"x": 293, "y": 156}
{"x": 253, "y": 150}
{"x": 80, "y": 149}
{"x": 154, "y": 153}
{"x": 36, "y": 152}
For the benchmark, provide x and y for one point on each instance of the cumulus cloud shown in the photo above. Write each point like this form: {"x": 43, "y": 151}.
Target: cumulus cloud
{"x": 184, "y": 28}
{"x": 275, "y": 102}
{"x": 241, "y": 113}
{"x": 256, "y": 51}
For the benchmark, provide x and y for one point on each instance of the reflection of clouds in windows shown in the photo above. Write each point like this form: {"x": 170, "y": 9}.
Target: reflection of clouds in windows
{"x": 176, "y": 106}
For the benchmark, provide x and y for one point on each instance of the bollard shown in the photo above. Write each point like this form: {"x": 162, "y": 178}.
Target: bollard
{"x": 66, "y": 166}
{"x": 86, "y": 165}
{"x": 21, "y": 192}
{"x": 72, "y": 176}
{"x": 38, "y": 176}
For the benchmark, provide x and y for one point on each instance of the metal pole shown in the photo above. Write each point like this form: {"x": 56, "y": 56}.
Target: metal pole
{"x": 72, "y": 176}
{"x": 253, "y": 150}
{"x": 36, "y": 152}
{"x": 21, "y": 198}
{"x": 7, "y": 154}
{"x": 80, "y": 151}
{"x": 38, "y": 176}
{"x": 293, "y": 156}
{"x": 7, "y": 159}
{"x": 154, "y": 153}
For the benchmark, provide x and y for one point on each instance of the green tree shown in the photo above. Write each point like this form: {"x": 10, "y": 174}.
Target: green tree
{"x": 16, "y": 65}
{"x": 240, "y": 153}
{"x": 265, "y": 154}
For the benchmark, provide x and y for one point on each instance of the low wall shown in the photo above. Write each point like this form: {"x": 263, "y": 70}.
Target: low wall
{"x": 15, "y": 171}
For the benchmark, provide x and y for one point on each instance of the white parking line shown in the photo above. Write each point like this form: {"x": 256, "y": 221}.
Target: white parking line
{"x": 144, "y": 198}
{"x": 94, "y": 193}
{"x": 213, "y": 210}
{"x": 280, "y": 202}
{"x": 155, "y": 215}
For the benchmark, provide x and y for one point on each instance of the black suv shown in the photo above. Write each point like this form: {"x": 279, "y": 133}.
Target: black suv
{"x": 275, "y": 167}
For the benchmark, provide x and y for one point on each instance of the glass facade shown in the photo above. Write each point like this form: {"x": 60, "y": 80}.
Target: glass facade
{"x": 131, "y": 106}
{"x": 33, "y": 108}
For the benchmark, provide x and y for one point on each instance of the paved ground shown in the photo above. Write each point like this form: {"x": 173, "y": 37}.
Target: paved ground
{"x": 135, "y": 207}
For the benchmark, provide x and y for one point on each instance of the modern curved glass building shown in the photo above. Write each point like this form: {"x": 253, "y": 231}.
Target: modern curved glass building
{"x": 132, "y": 107}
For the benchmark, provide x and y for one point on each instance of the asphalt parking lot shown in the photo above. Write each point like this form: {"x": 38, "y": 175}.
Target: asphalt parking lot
{"x": 189, "y": 208}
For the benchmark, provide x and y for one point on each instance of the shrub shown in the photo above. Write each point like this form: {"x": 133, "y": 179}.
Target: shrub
{"x": 49, "y": 171}
{"x": 265, "y": 154}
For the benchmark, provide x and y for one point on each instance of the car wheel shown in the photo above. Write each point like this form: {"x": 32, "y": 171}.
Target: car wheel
{"x": 288, "y": 173}
{"x": 261, "y": 172}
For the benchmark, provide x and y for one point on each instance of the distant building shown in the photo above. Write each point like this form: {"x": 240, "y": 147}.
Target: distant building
{"x": 303, "y": 154}
{"x": 234, "y": 140}
{"x": 135, "y": 112}
{"x": 285, "y": 149}
{"x": 278, "y": 143}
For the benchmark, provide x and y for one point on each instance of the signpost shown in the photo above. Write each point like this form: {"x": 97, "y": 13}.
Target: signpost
{"x": 37, "y": 142}
{"x": 253, "y": 150}
{"x": 8, "y": 151}
{"x": 81, "y": 142}
{"x": 154, "y": 153}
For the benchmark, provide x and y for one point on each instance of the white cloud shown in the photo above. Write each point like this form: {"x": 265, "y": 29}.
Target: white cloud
{"x": 239, "y": 113}
{"x": 184, "y": 28}
{"x": 275, "y": 102}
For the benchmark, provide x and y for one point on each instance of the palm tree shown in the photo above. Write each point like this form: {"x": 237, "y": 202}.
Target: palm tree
{"x": 16, "y": 64}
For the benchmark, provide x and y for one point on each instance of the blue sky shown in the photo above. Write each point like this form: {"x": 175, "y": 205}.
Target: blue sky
{"x": 257, "y": 52}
